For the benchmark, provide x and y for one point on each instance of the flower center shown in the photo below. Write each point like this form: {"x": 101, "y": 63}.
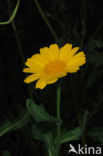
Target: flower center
{"x": 54, "y": 67}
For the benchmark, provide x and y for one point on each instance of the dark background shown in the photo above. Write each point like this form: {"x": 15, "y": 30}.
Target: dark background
{"x": 79, "y": 22}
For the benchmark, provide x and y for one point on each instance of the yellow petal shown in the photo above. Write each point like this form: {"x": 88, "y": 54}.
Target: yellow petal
{"x": 77, "y": 60}
{"x": 74, "y": 50}
{"x": 28, "y": 70}
{"x": 62, "y": 74}
{"x": 31, "y": 78}
{"x": 65, "y": 52}
{"x": 52, "y": 81}
{"x": 41, "y": 83}
{"x": 33, "y": 67}
{"x": 53, "y": 53}
{"x": 72, "y": 69}
{"x": 44, "y": 51}
{"x": 36, "y": 61}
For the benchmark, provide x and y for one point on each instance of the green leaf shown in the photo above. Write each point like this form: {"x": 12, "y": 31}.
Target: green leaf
{"x": 6, "y": 153}
{"x": 39, "y": 114}
{"x": 96, "y": 134}
{"x": 13, "y": 14}
{"x": 45, "y": 137}
{"x": 37, "y": 133}
{"x": 91, "y": 80}
{"x": 16, "y": 124}
{"x": 68, "y": 136}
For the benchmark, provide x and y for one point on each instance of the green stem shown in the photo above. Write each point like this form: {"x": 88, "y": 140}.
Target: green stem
{"x": 58, "y": 108}
{"x": 46, "y": 20}
{"x": 18, "y": 41}
{"x": 58, "y": 116}
{"x": 80, "y": 124}
{"x": 16, "y": 34}
{"x": 13, "y": 14}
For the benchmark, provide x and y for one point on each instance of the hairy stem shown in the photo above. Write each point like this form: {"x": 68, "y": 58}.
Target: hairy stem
{"x": 20, "y": 50}
{"x": 58, "y": 115}
{"x": 58, "y": 108}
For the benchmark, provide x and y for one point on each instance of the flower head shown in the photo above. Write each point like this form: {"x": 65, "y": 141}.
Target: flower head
{"x": 53, "y": 63}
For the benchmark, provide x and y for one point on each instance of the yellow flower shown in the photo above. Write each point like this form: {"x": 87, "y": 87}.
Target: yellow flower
{"x": 53, "y": 63}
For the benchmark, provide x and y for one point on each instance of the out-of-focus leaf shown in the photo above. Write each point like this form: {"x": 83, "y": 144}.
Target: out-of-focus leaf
{"x": 6, "y": 153}
{"x": 39, "y": 114}
{"x": 86, "y": 113}
{"x": 91, "y": 79}
{"x": 68, "y": 136}
{"x": 16, "y": 124}
{"x": 96, "y": 134}
{"x": 97, "y": 59}
{"x": 45, "y": 137}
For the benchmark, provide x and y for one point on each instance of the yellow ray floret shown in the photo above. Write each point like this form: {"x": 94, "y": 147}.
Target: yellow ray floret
{"x": 53, "y": 63}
